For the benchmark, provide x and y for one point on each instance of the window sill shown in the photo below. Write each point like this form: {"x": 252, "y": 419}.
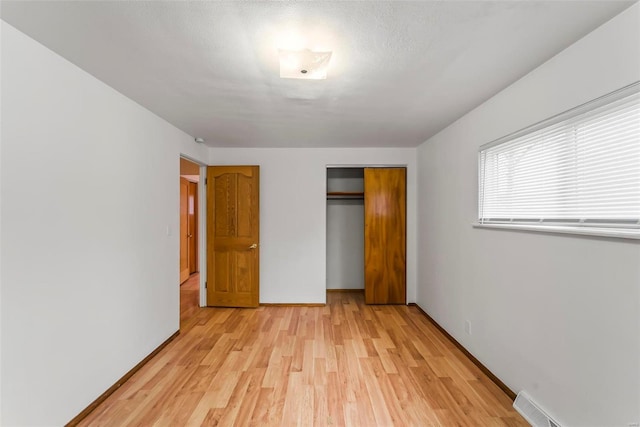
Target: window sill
{"x": 583, "y": 231}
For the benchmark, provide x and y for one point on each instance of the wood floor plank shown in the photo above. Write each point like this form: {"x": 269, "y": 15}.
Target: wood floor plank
{"x": 321, "y": 413}
{"x": 345, "y": 364}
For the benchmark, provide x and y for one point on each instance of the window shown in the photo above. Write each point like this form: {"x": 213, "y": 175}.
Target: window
{"x": 579, "y": 170}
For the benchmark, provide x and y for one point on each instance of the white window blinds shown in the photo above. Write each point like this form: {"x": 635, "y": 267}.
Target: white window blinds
{"x": 580, "y": 168}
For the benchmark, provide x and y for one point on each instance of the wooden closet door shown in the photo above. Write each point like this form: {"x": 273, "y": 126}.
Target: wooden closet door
{"x": 385, "y": 235}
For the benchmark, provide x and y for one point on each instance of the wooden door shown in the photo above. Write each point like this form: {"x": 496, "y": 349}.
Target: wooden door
{"x": 184, "y": 205}
{"x": 192, "y": 227}
{"x": 385, "y": 235}
{"x": 233, "y": 236}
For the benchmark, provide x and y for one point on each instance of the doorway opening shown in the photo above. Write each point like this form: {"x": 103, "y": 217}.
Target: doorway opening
{"x": 345, "y": 229}
{"x": 189, "y": 259}
{"x": 366, "y": 232}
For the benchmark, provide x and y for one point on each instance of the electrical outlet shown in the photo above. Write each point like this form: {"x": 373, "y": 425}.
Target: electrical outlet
{"x": 467, "y": 327}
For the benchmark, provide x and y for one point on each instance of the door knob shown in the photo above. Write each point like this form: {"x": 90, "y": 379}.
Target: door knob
{"x": 255, "y": 245}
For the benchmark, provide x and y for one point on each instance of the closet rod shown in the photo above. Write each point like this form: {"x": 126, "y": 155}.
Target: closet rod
{"x": 345, "y": 195}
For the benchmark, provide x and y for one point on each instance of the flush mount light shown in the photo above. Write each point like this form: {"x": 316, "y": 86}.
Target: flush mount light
{"x": 199, "y": 140}
{"x": 304, "y": 64}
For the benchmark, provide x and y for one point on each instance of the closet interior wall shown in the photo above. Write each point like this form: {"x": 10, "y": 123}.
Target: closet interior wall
{"x": 345, "y": 229}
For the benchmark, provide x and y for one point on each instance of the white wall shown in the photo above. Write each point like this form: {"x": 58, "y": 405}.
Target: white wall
{"x": 89, "y": 185}
{"x": 555, "y": 315}
{"x": 345, "y": 244}
{"x": 293, "y": 214}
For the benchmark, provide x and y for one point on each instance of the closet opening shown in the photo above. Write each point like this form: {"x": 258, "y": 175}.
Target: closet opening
{"x": 366, "y": 232}
{"x": 345, "y": 229}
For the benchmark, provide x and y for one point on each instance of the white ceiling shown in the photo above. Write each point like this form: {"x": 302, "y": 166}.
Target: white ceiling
{"x": 400, "y": 71}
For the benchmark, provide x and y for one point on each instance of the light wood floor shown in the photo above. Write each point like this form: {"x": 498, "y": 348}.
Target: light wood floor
{"x": 343, "y": 364}
{"x": 189, "y": 297}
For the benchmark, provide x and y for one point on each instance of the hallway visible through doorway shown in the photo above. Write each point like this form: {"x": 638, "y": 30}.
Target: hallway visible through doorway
{"x": 189, "y": 178}
{"x": 189, "y": 266}
{"x": 189, "y": 297}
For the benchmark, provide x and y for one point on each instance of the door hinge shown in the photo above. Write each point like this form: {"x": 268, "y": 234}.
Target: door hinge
{"x": 205, "y": 181}
{"x": 205, "y": 285}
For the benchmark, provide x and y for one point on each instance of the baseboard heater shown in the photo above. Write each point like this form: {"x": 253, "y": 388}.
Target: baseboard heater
{"x": 532, "y": 412}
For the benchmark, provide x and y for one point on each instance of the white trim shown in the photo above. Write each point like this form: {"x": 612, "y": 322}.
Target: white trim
{"x": 556, "y": 229}
{"x": 202, "y": 233}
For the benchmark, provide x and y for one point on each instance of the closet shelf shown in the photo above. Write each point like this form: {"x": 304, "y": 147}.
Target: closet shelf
{"x": 345, "y": 195}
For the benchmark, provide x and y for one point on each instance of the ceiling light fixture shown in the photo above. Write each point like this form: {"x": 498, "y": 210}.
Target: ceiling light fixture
{"x": 199, "y": 140}
{"x": 304, "y": 64}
